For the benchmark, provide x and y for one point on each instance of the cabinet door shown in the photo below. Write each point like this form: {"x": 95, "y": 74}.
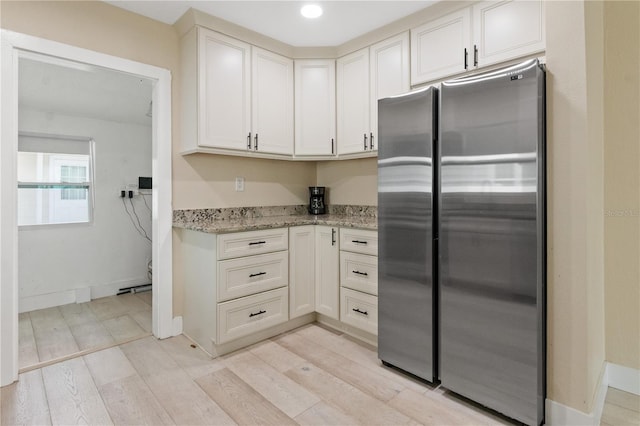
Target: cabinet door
{"x": 508, "y": 29}
{"x": 327, "y": 262}
{"x": 315, "y": 107}
{"x": 302, "y": 279}
{"x": 441, "y": 48}
{"x": 389, "y": 75}
{"x": 353, "y": 102}
{"x": 224, "y": 98}
{"x": 272, "y": 102}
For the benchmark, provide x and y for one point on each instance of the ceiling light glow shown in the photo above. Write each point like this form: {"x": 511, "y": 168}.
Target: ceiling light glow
{"x": 311, "y": 11}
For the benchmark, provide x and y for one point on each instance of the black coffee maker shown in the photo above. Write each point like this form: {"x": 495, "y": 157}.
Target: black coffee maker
{"x": 316, "y": 200}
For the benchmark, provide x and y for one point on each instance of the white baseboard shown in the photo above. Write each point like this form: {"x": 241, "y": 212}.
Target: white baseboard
{"x": 559, "y": 414}
{"x": 44, "y": 301}
{"x": 624, "y": 378}
{"x": 78, "y": 295}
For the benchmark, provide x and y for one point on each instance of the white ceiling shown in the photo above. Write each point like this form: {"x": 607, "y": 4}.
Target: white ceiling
{"x": 69, "y": 88}
{"x": 341, "y": 21}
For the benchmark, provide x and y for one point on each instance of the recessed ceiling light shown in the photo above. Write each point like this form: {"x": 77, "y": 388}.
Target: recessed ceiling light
{"x": 311, "y": 11}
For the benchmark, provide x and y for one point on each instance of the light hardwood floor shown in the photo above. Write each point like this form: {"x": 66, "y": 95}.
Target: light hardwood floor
{"x": 61, "y": 331}
{"x": 310, "y": 376}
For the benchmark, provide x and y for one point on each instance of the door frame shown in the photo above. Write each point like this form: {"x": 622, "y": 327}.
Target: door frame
{"x": 12, "y": 45}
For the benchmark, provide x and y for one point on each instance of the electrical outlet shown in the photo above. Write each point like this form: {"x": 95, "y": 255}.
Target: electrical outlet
{"x": 239, "y": 184}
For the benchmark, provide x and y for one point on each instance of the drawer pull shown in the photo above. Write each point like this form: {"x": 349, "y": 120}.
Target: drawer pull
{"x": 358, "y": 242}
{"x": 257, "y": 275}
{"x": 257, "y": 242}
{"x": 260, "y": 312}
{"x": 360, "y": 273}
{"x": 359, "y": 311}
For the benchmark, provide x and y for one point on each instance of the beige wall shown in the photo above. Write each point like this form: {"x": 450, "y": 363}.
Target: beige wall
{"x": 350, "y": 181}
{"x": 622, "y": 177}
{"x": 575, "y": 352}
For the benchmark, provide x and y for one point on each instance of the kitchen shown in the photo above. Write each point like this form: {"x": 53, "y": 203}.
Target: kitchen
{"x": 577, "y": 333}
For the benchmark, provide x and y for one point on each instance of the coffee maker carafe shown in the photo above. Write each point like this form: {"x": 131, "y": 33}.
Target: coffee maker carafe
{"x": 316, "y": 200}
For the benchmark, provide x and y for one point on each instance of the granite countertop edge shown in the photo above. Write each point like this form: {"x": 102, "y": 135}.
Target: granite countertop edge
{"x": 254, "y": 224}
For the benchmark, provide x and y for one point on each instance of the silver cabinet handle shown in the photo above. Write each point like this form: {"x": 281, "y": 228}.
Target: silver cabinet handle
{"x": 333, "y": 237}
{"x": 249, "y": 141}
{"x": 332, "y": 149}
{"x": 360, "y": 273}
{"x": 365, "y": 141}
{"x": 253, "y": 243}
{"x": 257, "y": 275}
{"x": 359, "y": 242}
{"x": 256, "y": 139}
{"x": 466, "y": 57}
{"x": 371, "y": 141}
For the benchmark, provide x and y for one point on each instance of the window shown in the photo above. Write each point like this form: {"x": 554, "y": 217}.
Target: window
{"x": 54, "y": 180}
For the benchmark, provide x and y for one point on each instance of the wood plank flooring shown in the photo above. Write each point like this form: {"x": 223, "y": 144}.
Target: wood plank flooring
{"x": 58, "y": 332}
{"x": 309, "y": 376}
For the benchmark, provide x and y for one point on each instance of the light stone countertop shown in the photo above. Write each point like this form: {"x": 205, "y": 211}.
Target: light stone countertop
{"x": 218, "y": 221}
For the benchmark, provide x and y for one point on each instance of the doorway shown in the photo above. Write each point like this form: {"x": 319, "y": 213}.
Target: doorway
{"x": 84, "y": 138}
{"x": 14, "y": 47}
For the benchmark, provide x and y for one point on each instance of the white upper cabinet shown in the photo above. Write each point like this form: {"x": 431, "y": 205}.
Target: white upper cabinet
{"x": 389, "y": 75}
{"x": 507, "y": 29}
{"x": 441, "y": 47}
{"x": 224, "y": 98}
{"x": 237, "y": 98}
{"x": 365, "y": 76}
{"x": 272, "y": 102}
{"x": 483, "y": 34}
{"x": 315, "y": 108}
{"x": 353, "y": 102}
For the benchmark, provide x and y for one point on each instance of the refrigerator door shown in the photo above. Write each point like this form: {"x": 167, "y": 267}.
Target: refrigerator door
{"x": 492, "y": 240}
{"x": 405, "y": 232}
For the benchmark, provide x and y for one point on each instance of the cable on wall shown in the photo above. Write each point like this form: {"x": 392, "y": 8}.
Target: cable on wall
{"x": 140, "y": 230}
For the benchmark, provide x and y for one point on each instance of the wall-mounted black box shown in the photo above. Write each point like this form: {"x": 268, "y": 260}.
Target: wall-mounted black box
{"x": 144, "y": 182}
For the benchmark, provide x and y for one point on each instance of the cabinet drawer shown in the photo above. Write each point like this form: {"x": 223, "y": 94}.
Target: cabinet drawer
{"x": 359, "y": 241}
{"x": 253, "y": 274}
{"x": 240, "y": 317}
{"x": 253, "y": 242}
{"x": 359, "y": 272}
{"x": 359, "y": 310}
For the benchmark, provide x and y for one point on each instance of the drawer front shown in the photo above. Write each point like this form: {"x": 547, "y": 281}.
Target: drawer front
{"x": 359, "y": 241}
{"x": 253, "y": 274}
{"x": 359, "y": 272}
{"x": 253, "y": 242}
{"x": 241, "y": 317}
{"x": 359, "y": 310}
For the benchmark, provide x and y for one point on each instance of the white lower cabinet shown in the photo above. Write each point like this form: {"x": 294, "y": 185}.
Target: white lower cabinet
{"x": 327, "y": 274}
{"x": 241, "y": 317}
{"x": 302, "y": 271}
{"x": 359, "y": 279}
{"x": 231, "y": 293}
{"x": 245, "y": 286}
{"x": 359, "y": 310}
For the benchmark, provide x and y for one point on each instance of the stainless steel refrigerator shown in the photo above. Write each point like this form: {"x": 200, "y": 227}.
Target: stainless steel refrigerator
{"x": 406, "y": 316}
{"x": 489, "y": 230}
